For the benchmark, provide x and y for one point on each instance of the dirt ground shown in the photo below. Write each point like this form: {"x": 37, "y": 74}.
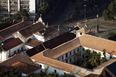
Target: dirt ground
{"x": 105, "y": 27}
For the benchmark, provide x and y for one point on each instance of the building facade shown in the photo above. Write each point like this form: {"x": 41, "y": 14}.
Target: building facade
{"x": 9, "y": 7}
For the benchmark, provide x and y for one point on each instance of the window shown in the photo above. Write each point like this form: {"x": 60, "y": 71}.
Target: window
{"x": 40, "y": 66}
{"x": 74, "y": 51}
{"x": 18, "y": 50}
{"x": 55, "y": 71}
{"x": 70, "y": 53}
{"x": 22, "y": 48}
{"x": 14, "y": 52}
{"x": 66, "y": 55}
{"x": 66, "y": 60}
{"x": 78, "y": 49}
{"x": 80, "y": 33}
{"x": 70, "y": 60}
{"x": 62, "y": 57}
{"x": 83, "y": 49}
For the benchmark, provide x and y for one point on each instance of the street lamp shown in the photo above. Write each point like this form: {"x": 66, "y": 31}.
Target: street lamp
{"x": 97, "y": 24}
{"x": 85, "y": 11}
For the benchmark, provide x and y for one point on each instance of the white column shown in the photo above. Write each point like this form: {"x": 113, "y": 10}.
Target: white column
{"x": 18, "y": 5}
{"x": 8, "y": 6}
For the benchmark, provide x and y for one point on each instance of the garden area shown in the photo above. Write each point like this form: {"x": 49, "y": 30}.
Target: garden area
{"x": 89, "y": 59}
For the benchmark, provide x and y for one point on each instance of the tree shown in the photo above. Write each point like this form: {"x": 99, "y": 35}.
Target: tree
{"x": 104, "y": 53}
{"x": 43, "y": 7}
{"x": 112, "y": 36}
{"x": 5, "y": 22}
{"x": 22, "y": 14}
{"x": 9, "y": 72}
{"x": 106, "y": 15}
{"x": 110, "y": 13}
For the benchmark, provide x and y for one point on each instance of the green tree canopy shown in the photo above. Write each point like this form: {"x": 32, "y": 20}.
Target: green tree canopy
{"x": 22, "y": 14}
{"x": 110, "y": 12}
{"x": 5, "y": 22}
{"x": 43, "y": 7}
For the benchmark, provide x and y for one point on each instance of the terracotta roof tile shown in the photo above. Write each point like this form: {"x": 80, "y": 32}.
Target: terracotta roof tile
{"x": 19, "y": 57}
{"x": 63, "y": 48}
{"x": 92, "y": 75}
{"x": 25, "y": 68}
{"x": 49, "y": 32}
{"x": 27, "y": 31}
{"x": 59, "y": 40}
{"x": 52, "y": 62}
{"x": 33, "y": 42}
{"x": 12, "y": 43}
{"x": 98, "y": 43}
{"x": 106, "y": 63}
{"x": 35, "y": 50}
{"x": 83, "y": 30}
{"x": 16, "y": 27}
{"x": 51, "y": 43}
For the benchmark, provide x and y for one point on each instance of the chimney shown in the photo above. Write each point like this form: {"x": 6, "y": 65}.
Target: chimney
{"x": 33, "y": 21}
{"x": 47, "y": 25}
{"x": 42, "y": 34}
{"x": 23, "y": 19}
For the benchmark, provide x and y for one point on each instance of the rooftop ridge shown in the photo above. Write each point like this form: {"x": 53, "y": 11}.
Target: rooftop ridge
{"x": 11, "y": 26}
{"x": 65, "y": 43}
{"x": 100, "y": 38}
{"x": 27, "y": 26}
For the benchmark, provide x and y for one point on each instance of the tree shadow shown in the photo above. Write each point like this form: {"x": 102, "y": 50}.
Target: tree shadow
{"x": 107, "y": 30}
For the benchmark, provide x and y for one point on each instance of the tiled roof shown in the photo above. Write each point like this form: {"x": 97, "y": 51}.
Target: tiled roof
{"x": 92, "y": 75}
{"x": 98, "y": 43}
{"x": 63, "y": 48}
{"x": 51, "y": 43}
{"x": 49, "y": 32}
{"x": 12, "y": 43}
{"x": 19, "y": 57}
{"x": 33, "y": 42}
{"x": 35, "y": 50}
{"x": 59, "y": 40}
{"x": 106, "y": 63}
{"x": 84, "y": 30}
{"x": 52, "y": 62}
{"x": 25, "y": 68}
{"x": 27, "y": 31}
{"x": 16, "y": 27}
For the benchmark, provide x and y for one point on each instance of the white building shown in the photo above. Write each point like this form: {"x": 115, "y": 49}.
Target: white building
{"x": 64, "y": 53}
{"x": 12, "y": 6}
{"x": 11, "y": 48}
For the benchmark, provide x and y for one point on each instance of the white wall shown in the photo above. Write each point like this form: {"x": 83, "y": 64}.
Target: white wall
{"x": 39, "y": 38}
{"x": 78, "y": 34}
{"x": 18, "y": 35}
{"x": 52, "y": 69}
{"x": 15, "y": 49}
{"x": 6, "y": 54}
{"x": 28, "y": 47}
